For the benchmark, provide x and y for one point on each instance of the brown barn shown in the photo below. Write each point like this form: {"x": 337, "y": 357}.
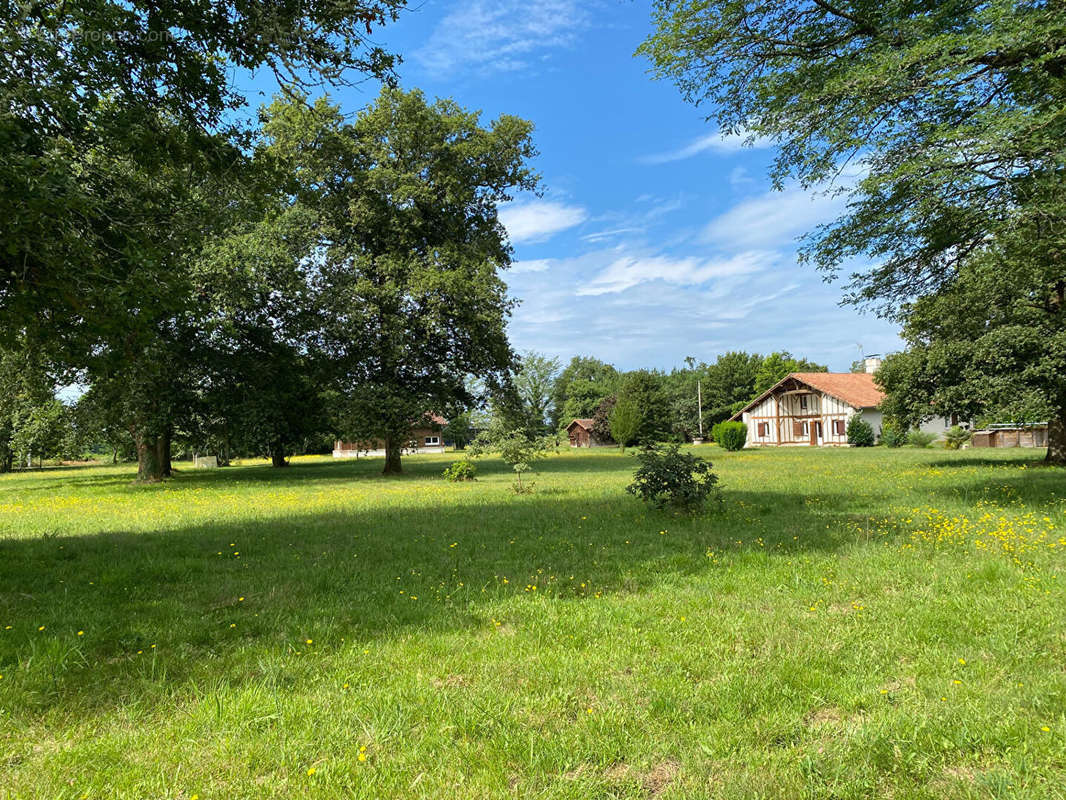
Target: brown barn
{"x": 581, "y": 435}
{"x": 425, "y": 438}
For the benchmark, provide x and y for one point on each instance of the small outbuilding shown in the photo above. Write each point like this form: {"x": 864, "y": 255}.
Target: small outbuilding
{"x": 1027, "y": 435}
{"x": 581, "y": 434}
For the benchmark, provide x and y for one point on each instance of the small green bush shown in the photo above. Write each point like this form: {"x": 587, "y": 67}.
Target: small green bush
{"x": 730, "y": 435}
{"x": 956, "y": 437}
{"x": 860, "y": 434}
{"x": 893, "y": 434}
{"x": 917, "y": 438}
{"x": 669, "y": 478}
{"x": 460, "y": 471}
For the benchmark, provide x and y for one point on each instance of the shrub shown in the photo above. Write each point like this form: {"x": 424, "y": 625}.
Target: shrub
{"x": 730, "y": 435}
{"x": 669, "y": 478}
{"x": 956, "y": 437}
{"x": 460, "y": 471}
{"x": 860, "y": 434}
{"x": 516, "y": 447}
{"x": 917, "y": 438}
{"x": 893, "y": 434}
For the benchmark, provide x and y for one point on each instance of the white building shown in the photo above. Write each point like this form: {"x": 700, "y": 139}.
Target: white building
{"x": 813, "y": 409}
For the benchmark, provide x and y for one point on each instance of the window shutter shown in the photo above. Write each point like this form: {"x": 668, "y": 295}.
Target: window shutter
{"x": 797, "y": 428}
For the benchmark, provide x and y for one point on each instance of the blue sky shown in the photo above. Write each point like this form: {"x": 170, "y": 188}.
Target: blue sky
{"x": 656, "y": 238}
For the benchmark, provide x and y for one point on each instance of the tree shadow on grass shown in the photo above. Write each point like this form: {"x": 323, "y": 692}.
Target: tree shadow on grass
{"x": 210, "y": 602}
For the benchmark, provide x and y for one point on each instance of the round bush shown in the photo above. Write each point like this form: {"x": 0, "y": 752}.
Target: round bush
{"x": 669, "y": 478}
{"x": 460, "y": 471}
{"x": 730, "y": 435}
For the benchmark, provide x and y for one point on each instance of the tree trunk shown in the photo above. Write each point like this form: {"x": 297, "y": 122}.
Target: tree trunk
{"x": 7, "y": 461}
{"x": 277, "y": 456}
{"x": 1056, "y": 440}
{"x": 150, "y": 469}
{"x": 392, "y": 457}
{"x": 163, "y": 448}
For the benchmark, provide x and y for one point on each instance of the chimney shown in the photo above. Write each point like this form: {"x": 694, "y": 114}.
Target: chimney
{"x": 871, "y": 364}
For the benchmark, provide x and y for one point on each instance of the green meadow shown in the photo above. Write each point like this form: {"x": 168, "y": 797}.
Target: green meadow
{"x": 844, "y": 624}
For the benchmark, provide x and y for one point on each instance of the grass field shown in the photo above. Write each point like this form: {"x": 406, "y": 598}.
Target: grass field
{"x": 848, "y": 624}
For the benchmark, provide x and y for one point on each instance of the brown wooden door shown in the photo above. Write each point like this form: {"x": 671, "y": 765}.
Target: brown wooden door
{"x": 813, "y": 427}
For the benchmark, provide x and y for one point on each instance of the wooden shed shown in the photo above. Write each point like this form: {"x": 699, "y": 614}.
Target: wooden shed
{"x": 580, "y": 433}
{"x": 1029, "y": 435}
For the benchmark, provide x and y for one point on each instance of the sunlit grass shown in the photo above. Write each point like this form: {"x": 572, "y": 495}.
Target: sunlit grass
{"x": 847, "y": 624}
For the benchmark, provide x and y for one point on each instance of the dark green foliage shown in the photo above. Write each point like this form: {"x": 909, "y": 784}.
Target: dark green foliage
{"x": 459, "y": 430}
{"x": 404, "y": 207}
{"x": 644, "y": 388}
{"x": 579, "y": 389}
{"x": 893, "y": 434}
{"x": 777, "y": 365}
{"x": 730, "y": 435}
{"x": 459, "y": 471}
{"x": 625, "y": 421}
{"x": 956, "y": 437}
{"x": 920, "y": 439}
{"x": 668, "y": 478}
{"x": 860, "y": 433}
{"x": 601, "y": 420}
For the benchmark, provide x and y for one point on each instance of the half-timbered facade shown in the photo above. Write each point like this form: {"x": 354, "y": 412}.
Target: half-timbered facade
{"x": 811, "y": 409}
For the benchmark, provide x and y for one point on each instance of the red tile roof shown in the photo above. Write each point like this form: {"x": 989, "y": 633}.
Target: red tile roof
{"x": 584, "y": 422}
{"x": 857, "y": 389}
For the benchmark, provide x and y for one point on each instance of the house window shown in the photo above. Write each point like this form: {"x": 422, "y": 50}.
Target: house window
{"x": 803, "y": 402}
{"x": 432, "y": 440}
{"x": 764, "y": 429}
{"x": 838, "y": 427}
{"x": 805, "y": 429}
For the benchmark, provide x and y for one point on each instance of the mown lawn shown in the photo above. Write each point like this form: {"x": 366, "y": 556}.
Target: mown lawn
{"x": 848, "y": 624}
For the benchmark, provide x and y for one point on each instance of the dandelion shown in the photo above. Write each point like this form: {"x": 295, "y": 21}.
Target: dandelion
{"x": 1045, "y": 729}
{"x": 311, "y": 771}
{"x": 310, "y": 641}
{"x": 81, "y": 633}
{"x": 962, "y": 661}
{"x": 41, "y": 628}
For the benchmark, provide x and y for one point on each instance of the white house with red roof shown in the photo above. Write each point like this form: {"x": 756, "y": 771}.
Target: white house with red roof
{"x": 813, "y": 409}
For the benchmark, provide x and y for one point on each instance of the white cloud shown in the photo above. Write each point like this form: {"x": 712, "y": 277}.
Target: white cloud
{"x": 717, "y": 142}
{"x": 538, "y": 220}
{"x": 501, "y": 35}
{"x": 627, "y": 271}
{"x": 772, "y": 219}
{"x": 601, "y": 236}
{"x": 530, "y": 265}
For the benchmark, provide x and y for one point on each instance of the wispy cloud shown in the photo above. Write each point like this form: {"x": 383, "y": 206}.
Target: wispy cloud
{"x": 717, "y": 142}
{"x": 530, "y": 265}
{"x": 772, "y": 219}
{"x": 537, "y": 220}
{"x": 629, "y": 270}
{"x": 501, "y": 35}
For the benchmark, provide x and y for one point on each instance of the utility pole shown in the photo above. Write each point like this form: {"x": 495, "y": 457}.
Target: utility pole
{"x": 699, "y": 405}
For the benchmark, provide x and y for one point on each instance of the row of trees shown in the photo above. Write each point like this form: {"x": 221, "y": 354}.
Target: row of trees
{"x": 240, "y": 286}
